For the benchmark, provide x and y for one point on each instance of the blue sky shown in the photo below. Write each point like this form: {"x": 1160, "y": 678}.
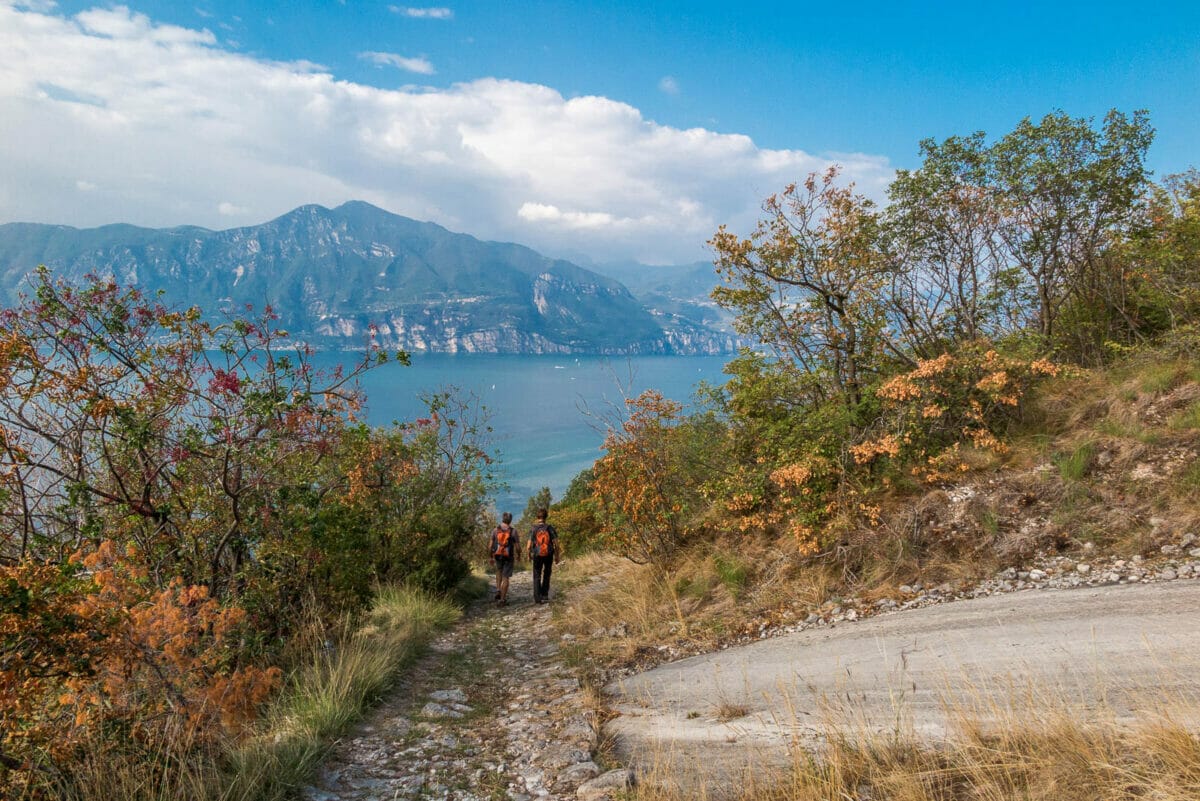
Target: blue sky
{"x": 600, "y": 131}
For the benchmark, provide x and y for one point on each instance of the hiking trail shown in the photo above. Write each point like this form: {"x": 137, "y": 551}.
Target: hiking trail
{"x": 491, "y": 712}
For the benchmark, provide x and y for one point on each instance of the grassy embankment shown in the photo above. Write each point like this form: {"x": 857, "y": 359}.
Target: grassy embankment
{"x": 344, "y": 673}
{"x": 1104, "y": 463}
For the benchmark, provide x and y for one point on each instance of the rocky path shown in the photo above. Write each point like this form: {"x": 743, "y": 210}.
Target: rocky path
{"x": 493, "y": 712}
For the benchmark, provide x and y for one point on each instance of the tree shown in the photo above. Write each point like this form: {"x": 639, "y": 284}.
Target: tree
{"x": 807, "y": 284}
{"x": 1066, "y": 192}
{"x": 647, "y": 484}
{"x": 951, "y": 283}
{"x": 539, "y": 500}
{"x": 1162, "y": 257}
{"x": 992, "y": 240}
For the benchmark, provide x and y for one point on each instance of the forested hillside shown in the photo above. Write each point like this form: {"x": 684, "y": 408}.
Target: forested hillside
{"x": 903, "y": 346}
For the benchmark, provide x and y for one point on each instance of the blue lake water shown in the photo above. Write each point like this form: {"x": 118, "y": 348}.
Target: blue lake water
{"x": 538, "y": 406}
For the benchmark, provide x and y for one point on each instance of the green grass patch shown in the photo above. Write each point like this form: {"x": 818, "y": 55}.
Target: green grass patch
{"x": 1117, "y": 428}
{"x": 732, "y": 574}
{"x": 1188, "y": 419}
{"x": 1158, "y": 378}
{"x": 1188, "y": 481}
{"x": 1074, "y": 465}
{"x": 693, "y": 587}
{"x": 989, "y": 521}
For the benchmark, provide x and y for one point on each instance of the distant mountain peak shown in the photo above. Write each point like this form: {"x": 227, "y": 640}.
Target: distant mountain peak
{"x": 333, "y": 273}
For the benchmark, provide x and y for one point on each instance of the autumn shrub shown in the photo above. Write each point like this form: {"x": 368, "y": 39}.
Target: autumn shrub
{"x": 91, "y": 651}
{"x": 647, "y": 485}
{"x": 963, "y": 398}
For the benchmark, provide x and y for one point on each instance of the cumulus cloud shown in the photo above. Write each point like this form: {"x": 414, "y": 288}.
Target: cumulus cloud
{"x": 668, "y": 85}
{"x": 423, "y": 13}
{"x": 174, "y": 126}
{"x": 420, "y": 64}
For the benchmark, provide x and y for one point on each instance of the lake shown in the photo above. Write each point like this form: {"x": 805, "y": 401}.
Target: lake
{"x": 544, "y": 410}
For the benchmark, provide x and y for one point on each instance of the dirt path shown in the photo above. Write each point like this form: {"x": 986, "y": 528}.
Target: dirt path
{"x": 709, "y": 719}
{"x": 491, "y": 713}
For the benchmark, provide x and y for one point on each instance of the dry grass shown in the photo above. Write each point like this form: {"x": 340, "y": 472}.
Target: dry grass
{"x": 1050, "y": 753}
{"x": 704, "y": 599}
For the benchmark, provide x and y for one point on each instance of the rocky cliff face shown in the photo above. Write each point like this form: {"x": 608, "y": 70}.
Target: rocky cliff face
{"x": 333, "y": 274}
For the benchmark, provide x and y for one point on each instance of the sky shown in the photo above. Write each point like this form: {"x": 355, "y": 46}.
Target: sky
{"x": 594, "y": 131}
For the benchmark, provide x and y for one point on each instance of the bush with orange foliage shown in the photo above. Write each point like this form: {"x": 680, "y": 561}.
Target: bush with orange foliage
{"x": 966, "y": 397}
{"x": 175, "y": 496}
{"x": 91, "y": 645}
{"x": 647, "y": 485}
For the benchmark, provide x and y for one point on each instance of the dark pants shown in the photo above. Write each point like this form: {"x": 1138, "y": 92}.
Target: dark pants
{"x": 541, "y": 577}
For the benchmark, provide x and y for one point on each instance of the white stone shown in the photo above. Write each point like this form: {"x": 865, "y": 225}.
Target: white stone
{"x": 577, "y": 774}
{"x": 606, "y": 785}
{"x": 432, "y": 710}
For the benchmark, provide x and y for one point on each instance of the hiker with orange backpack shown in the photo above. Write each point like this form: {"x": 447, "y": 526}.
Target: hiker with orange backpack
{"x": 543, "y": 548}
{"x": 505, "y": 548}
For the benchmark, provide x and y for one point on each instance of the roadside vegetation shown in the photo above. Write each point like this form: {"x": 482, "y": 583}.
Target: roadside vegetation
{"x": 998, "y": 365}
{"x": 194, "y": 527}
{"x": 1044, "y": 752}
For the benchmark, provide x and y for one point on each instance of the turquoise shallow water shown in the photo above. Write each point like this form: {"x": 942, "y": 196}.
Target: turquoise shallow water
{"x": 537, "y": 405}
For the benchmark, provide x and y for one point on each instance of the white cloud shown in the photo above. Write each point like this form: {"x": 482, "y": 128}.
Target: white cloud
{"x": 34, "y": 5}
{"x": 668, "y": 85}
{"x": 85, "y": 186}
{"x": 175, "y": 125}
{"x": 420, "y": 64}
{"x": 549, "y": 213}
{"x": 423, "y": 13}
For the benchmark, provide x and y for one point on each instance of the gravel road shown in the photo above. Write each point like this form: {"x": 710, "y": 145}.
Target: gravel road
{"x": 707, "y": 720}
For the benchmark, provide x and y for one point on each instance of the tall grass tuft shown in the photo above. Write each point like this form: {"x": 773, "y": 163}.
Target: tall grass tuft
{"x": 732, "y": 573}
{"x": 1074, "y": 466}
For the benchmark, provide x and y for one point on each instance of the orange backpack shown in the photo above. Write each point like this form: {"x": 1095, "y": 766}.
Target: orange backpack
{"x": 503, "y": 540}
{"x": 541, "y": 540}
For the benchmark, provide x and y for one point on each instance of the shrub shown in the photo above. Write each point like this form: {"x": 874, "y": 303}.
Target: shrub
{"x": 969, "y": 396}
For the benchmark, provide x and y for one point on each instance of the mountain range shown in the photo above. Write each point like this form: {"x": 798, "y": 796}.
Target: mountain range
{"x": 330, "y": 274}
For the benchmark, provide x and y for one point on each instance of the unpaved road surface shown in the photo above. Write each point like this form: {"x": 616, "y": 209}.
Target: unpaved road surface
{"x": 491, "y": 713}
{"x": 706, "y": 721}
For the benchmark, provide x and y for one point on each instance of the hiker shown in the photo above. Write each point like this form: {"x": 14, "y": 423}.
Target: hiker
{"x": 543, "y": 548}
{"x": 505, "y": 547}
